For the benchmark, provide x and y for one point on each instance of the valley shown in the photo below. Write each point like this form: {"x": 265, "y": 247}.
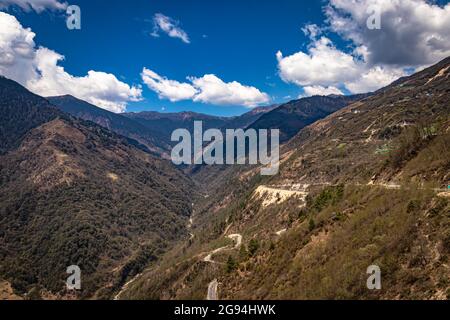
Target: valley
{"x": 222, "y": 159}
{"x": 340, "y": 198}
{"x": 362, "y": 182}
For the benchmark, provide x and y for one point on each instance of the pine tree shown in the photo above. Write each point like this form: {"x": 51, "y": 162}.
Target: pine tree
{"x": 231, "y": 264}
{"x": 253, "y": 246}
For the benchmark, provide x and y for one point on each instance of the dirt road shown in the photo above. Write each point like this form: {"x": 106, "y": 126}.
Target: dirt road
{"x": 213, "y": 285}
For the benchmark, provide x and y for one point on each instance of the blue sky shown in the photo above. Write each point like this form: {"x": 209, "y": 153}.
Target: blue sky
{"x": 233, "y": 40}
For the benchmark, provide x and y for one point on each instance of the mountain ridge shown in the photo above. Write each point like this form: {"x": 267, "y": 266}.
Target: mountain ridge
{"x": 112, "y": 121}
{"x": 293, "y": 116}
{"x": 75, "y": 193}
{"x": 366, "y": 185}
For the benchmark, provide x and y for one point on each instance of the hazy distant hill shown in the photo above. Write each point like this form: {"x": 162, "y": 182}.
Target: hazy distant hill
{"x": 166, "y": 123}
{"x": 249, "y": 118}
{"x": 152, "y": 138}
{"x": 152, "y": 129}
{"x": 74, "y": 193}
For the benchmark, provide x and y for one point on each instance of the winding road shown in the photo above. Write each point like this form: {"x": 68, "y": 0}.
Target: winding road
{"x": 212, "y": 290}
{"x": 213, "y": 285}
{"x": 189, "y": 227}
{"x": 237, "y": 238}
{"x": 125, "y": 286}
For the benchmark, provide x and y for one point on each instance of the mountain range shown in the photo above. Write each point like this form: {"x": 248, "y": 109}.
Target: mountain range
{"x": 364, "y": 186}
{"x": 152, "y": 129}
{"x": 289, "y": 118}
{"x": 363, "y": 181}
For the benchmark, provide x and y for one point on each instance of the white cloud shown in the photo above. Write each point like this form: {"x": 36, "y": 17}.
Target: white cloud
{"x": 169, "y": 26}
{"x": 100, "y": 88}
{"x": 168, "y": 89}
{"x": 312, "y": 30}
{"x": 413, "y": 34}
{"x": 36, "y": 5}
{"x": 213, "y": 90}
{"x": 322, "y": 65}
{"x": 320, "y": 91}
{"x": 374, "y": 78}
{"x": 324, "y": 68}
{"x": 38, "y": 70}
{"x": 206, "y": 89}
{"x": 17, "y": 50}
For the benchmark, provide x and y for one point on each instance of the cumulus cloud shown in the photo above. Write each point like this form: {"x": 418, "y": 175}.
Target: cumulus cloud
{"x": 215, "y": 91}
{"x": 413, "y": 35}
{"x": 38, "y": 69}
{"x": 413, "y": 32}
{"x": 320, "y": 91}
{"x": 168, "y": 89}
{"x": 17, "y": 50}
{"x": 206, "y": 89}
{"x": 322, "y": 65}
{"x": 324, "y": 68}
{"x": 36, "y": 5}
{"x": 169, "y": 26}
{"x": 374, "y": 78}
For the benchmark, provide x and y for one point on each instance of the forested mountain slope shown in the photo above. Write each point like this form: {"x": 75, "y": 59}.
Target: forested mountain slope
{"x": 293, "y": 116}
{"x": 365, "y": 186}
{"x": 390, "y": 135}
{"x": 153, "y": 139}
{"x": 152, "y": 129}
{"x": 74, "y": 193}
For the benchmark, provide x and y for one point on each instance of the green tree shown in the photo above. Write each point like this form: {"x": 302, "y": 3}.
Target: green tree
{"x": 243, "y": 254}
{"x": 231, "y": 264}
{"x": 312, "y": 224}
{"x": 253, "y": 246}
